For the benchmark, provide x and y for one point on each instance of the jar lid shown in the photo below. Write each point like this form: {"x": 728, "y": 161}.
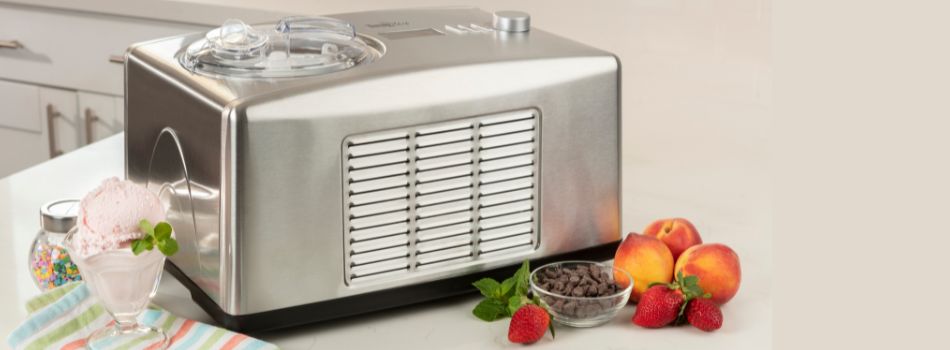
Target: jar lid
{"x": 59, "y": 216}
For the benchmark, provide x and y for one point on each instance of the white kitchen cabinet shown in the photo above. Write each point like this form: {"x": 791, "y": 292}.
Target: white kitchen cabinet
{"x": 20, "y": 150}
{"x": 21, "y": 131}
{"x": 19, "y": 107}
{"x": 75, "y": 50}
{"x": 61, "y": 78}
{"x": 101, "y": 116}
{"x": 64, "y": 60}
{"x": 38, "y": 123}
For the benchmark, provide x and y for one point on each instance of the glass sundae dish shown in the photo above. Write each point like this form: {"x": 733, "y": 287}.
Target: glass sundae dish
{"x": 112, "y": 245}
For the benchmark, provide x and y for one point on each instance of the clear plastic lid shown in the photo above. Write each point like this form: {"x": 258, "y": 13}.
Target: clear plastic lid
{"x": 295, "y": 47}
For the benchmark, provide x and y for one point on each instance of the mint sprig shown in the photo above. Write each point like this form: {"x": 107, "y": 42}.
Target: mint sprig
{"x": 503, "y": 299}
{"x": 159, "y": 236}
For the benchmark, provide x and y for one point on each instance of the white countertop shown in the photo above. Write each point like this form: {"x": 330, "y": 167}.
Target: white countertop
{"x": 740, "y": 219}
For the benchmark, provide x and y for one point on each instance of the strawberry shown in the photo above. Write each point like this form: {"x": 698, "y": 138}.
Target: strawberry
{"x": 704, "y": 314}
{"x": 528, "y": 324}
{"x": 659, "y": 306}
{"x": 663, "y": 303}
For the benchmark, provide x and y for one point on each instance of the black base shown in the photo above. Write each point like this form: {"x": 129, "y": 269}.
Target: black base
{"x": 367, "y": 302}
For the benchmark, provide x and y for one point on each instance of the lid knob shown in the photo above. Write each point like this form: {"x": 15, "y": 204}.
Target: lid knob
{"x": 511, "y": 21}
{"x": 235, "y": 40}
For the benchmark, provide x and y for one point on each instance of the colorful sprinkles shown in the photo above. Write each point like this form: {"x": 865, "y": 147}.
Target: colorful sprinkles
{"x": 52, "y": 267}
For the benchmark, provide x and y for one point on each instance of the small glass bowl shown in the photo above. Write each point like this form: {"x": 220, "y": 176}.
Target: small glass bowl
{"x": 583, "y": 311}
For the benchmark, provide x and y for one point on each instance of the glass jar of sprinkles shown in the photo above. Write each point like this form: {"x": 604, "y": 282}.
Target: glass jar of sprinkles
{"x": 50, "y": 264}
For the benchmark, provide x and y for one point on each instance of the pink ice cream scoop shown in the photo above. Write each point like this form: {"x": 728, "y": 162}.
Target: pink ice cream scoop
{"x": 109, "y": 216}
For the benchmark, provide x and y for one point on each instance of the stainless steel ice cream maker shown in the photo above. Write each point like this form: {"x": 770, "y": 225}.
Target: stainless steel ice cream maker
{"x": 322, "y": 167}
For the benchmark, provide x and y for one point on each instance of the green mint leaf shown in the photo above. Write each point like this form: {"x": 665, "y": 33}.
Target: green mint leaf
{"x": 168, "y": 246}
{"x": 163, "y": 230}
{"x": 146, "y": 227}
{"x": 508, "y": 288}
{"x": 503, "y": 299}
{"x": 138, "y": 246}
{"x": 490, "y": 310}
{"x": 521, "y": 279}
{"x": 172, "y": 247}
{"x": 515, "y": 303}
{"x": 159, "y": 235}
{"x": 551, "y": 324}
{"x": 488, "y": 287}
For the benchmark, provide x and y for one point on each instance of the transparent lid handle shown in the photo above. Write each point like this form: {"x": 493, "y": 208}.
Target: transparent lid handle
{"x": 316, "y": 25}
{"x": 235, "y": 40}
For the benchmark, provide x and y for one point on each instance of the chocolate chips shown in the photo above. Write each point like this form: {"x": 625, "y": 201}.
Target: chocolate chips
{"x": 578, "y": 281}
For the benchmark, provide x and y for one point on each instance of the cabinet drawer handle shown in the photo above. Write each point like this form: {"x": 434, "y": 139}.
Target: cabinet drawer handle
{"x": 91, "y": 119}
{"x": 120, "y": 59}
{"x": 10, "y": 44}
{"x": 51, "y": 115}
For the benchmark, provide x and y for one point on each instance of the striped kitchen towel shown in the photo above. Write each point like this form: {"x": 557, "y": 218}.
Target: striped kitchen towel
{"x": 63, "y": 317}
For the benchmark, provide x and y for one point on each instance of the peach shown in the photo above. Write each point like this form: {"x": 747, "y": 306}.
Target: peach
{"x": 717, "y": 267}
{"x": 677, "y": 233}
{"x": 646, "y": 259}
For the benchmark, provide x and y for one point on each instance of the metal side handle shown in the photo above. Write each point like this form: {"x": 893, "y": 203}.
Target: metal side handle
{"x": 91, "y": 119}
{"x": 51, "y": 115}
{"x": 118, "y": 59}
{"x": 10, "y": 44}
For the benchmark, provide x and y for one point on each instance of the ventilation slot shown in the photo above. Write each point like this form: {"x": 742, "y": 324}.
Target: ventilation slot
{"x": 440, "y": 195}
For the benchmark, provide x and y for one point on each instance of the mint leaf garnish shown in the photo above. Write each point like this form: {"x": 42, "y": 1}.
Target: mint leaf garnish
{"x": 146, "y": 227}
{"x": 507, "y": 287}
{"x": 168, "y": 246}
{"x": 159, "y": 236}
{"x": 515, "y": 303}
{"x": 503, "y": 299}
{"x": 490, "y": 310}
{"x": 139, "y": 246}
{"x": 521, "y": 279}
{"x": 488, "y": 287}
{"x": 163, "y": 231}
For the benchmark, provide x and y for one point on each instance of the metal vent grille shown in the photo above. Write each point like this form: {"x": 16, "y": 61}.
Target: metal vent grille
{"x": 440, "y": 195}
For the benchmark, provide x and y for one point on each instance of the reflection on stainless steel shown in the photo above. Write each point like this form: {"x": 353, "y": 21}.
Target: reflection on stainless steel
{"x": 447, "y": 155}
{"x": 191, "y": 208}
